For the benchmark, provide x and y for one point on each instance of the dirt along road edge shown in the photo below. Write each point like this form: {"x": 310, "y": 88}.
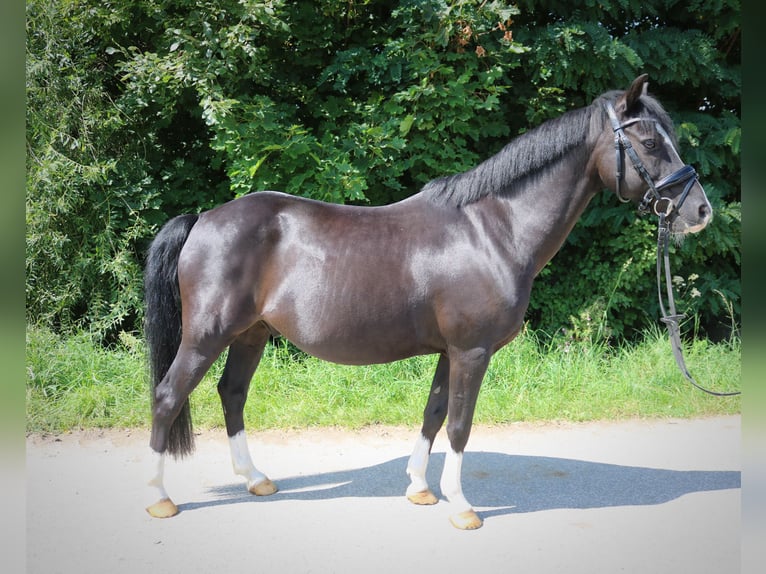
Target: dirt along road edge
{"x": 631, "y": 496}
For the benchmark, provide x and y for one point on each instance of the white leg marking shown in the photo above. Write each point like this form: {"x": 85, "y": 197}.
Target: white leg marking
{"x": 241, "y": 461}
{"x": 450, "y": 483}
{"x": 416, "y": 467}
{"x": 156, "y": 482}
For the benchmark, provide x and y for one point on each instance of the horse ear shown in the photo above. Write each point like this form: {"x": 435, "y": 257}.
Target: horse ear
{"x": 637, "y": 89}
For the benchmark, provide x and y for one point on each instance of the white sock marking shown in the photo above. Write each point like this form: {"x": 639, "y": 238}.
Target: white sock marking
{"x": 417, "y": 465}
{"x": 451, "y": 483}
{"x": 156, "y": 482}
{"x": 241, "y": 460}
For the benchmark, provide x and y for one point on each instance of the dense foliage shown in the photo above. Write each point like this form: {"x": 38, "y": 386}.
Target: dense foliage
{"x": 138, "y": 111}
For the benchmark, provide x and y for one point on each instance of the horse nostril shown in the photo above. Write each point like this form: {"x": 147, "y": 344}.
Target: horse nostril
{"x": 704, "y": 211}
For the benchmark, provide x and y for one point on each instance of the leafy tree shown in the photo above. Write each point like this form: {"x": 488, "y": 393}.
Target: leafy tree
{"x": 138, "y": 111}
{"x": 86, "y": 180}
{"x": 338, "y": 102}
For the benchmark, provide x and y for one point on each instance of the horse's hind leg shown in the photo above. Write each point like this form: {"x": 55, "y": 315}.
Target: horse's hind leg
{"x": 434, "y": 414}
{"x": 244, "y": 355}
{"x": 186, "y": 371}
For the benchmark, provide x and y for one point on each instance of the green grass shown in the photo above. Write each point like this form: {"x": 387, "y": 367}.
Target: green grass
{"x": 73, "y": 383}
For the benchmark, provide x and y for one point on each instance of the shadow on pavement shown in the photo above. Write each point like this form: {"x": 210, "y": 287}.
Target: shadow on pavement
{"x": 498, "y": 483}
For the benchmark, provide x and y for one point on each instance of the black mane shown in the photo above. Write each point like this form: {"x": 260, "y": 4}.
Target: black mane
{"x": 532, "y": 152}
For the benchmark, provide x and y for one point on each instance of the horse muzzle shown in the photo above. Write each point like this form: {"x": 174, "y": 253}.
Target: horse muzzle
{"x": 688, "y": 212}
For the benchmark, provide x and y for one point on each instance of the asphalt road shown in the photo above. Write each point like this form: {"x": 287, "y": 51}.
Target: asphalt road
{"x": 639, "y": 496}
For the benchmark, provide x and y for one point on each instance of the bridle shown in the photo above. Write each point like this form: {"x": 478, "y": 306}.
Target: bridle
{"x": 653, "y": 195}
{"x": 654, "y": 198}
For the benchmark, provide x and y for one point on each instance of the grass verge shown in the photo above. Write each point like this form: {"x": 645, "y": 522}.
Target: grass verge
{"x": 73, "y": 383}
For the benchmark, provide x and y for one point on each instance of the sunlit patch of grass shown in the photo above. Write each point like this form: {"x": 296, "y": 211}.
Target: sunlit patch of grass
{"x": 72, "y": 382}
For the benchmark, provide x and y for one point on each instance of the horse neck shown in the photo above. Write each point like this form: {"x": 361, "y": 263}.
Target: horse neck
{"x": 541, "y": 210}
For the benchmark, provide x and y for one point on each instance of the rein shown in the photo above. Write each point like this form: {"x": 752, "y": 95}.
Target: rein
{"x": 671, "y": 319}
{"x": 653, "y": 197}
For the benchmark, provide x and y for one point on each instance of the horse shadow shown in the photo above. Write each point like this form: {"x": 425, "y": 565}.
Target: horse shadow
{"x": 498, "y": 484}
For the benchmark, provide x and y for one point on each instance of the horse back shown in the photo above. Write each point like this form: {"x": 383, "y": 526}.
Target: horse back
{"x": 348, "y": 284}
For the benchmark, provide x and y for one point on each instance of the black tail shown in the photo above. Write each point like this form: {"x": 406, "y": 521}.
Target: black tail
{"x": 162, "y": 323}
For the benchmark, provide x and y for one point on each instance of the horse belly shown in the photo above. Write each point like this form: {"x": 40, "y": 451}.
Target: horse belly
{"x": 360, "y": 352}
{"x": 340, "y": 331}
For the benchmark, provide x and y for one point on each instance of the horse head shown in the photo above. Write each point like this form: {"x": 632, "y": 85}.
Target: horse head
{"x": 637, "y": 159}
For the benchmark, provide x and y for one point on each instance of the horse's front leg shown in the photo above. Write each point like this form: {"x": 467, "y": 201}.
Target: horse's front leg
{"x": 434, "y": 414}
{"x": 467, "y": 369}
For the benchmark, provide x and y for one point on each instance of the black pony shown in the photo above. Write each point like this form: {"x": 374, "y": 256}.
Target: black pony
{"x": 447, "y": 271}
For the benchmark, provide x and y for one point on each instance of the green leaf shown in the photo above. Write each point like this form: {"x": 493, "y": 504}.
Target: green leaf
{"x": 406, "y": 124}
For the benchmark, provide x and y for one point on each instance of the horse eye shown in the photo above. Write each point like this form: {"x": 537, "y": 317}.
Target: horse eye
{"x": 649, "y": 144}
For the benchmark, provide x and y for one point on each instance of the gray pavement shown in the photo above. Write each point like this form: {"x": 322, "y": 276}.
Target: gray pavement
{"x": 637, "y": 496}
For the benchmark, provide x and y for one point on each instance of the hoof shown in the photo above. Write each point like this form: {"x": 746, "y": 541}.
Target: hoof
{"x": 162, "y": 509}
{"x": 263, "y": 488}
{"x": 425, "y": 497}
{"x": 467, "y": 520}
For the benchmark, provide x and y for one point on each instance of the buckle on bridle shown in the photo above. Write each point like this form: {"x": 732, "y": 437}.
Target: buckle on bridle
{"x": 655, "y": 201}
{"x": 668, "y": 208}
{"x": 646, "y": 201}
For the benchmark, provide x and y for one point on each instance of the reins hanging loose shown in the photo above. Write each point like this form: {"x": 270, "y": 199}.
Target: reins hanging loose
{"x": 685, "y": 175}
{"x": 672, "y": 318}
